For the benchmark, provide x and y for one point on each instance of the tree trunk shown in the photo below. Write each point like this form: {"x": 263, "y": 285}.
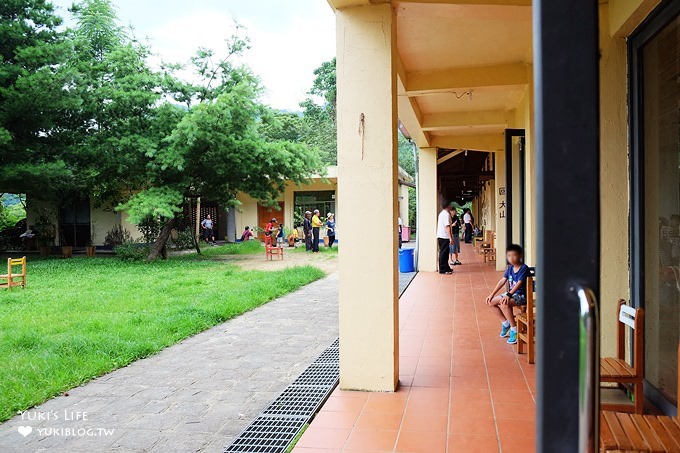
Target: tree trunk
{"x": 159, "y": 247}
{"x": 197, "y": 241}
{"x": 194, "y": 232}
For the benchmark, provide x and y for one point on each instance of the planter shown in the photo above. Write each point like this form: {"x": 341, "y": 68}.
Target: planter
{"x": 45, "y": 250}
{"x": 91, "y": 250}
{"x": 67, "y": 251}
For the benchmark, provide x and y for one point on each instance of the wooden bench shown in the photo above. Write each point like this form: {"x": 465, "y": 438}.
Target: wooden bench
{"x": 10, "y": 278}
{"x": 617, "y": 370}
{"x": 271, "y": 249}
{"x": 623, "y": 432}
{"x": 526, "y": 322}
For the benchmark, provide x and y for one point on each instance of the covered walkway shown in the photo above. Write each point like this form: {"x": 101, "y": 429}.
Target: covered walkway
{"x": 461, "y": 387}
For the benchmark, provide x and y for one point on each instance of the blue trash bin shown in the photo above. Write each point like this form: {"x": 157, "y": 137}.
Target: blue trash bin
{"x": 406, "y": 260}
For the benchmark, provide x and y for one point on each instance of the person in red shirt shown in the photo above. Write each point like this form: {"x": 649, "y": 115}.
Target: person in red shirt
{"x": 270, "y": 227}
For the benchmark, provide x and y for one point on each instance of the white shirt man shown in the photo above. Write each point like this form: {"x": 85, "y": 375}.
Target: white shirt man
{"x": 467, "y": 218}
{"x": 444, "y": 239}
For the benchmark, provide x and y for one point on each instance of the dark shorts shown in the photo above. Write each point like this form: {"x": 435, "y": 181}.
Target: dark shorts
{"x": 519, "y": 299}
{"x": 208, "y": 233}
{"x": 455, "y": 247}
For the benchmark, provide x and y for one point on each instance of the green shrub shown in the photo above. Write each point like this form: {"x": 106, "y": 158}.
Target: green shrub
{"x": 185, "y": 240}
{"x": 117, "y": 236}
{"x": 131, "y": 251}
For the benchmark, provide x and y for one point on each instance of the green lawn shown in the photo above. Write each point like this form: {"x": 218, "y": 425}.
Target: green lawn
{"x": 242, "y": 248}
{"x": 81, "y": 318}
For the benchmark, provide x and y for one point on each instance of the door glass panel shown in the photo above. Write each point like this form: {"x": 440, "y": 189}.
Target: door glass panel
{"x": 661, "y": 79}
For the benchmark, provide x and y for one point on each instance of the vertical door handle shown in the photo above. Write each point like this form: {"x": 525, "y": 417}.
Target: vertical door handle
{"x": 589, "y": 371}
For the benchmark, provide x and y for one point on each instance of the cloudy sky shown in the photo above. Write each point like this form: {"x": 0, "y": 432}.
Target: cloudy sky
{"x": 289, "y": 38}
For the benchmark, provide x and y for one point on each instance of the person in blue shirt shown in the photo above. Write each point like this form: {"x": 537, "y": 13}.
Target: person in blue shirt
{"x": 515, "y": 278}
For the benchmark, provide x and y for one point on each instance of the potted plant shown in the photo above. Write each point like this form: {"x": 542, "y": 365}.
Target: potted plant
{"x": 45, "y": 235}
{"x": 91, "y": 249}
{"x": 66, "y": 249}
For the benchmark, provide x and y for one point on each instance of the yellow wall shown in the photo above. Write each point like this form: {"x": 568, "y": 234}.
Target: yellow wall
{"x": 614, "y": 189}
{"x": 626, "y": 15}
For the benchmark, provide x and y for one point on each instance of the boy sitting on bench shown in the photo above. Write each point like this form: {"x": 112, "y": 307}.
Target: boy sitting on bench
{"x": 502, "y": 304}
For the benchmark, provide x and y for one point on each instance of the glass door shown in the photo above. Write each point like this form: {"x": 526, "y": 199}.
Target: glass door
{"x": 655, "y": 219}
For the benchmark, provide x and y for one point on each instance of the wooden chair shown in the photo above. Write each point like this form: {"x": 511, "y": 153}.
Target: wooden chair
{"x": 617, "y": 370}
{"x": 271, "y": 249}
{"x": 526, "y": 322}
{"x": 622, "y": 432}
{"x": 489, "y": 248}
{"x": 11, "y": 276}
{"x": 477, "y": 241}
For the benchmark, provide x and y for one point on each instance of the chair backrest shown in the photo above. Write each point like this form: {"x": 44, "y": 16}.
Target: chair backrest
{"x": 632, "y": 318}
{"x": 14, "y": 262}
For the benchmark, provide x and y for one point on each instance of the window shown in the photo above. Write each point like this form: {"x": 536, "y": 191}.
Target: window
{"x": 323, "y": 200}
{"x": 655, "y": 210}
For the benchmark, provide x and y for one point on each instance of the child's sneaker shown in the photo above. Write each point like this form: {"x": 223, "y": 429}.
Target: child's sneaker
{"x": 513, "y": 337}
{"x": 505, "y": 331}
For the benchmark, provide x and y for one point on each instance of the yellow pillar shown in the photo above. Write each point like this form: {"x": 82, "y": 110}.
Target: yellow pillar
{"x": 367, "y": 187}
{"x": 501, "y": 211}
{"x": 428, "y": 207}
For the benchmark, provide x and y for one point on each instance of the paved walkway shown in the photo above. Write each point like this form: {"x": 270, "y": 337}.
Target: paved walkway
{"x": 194, "y": 396}
{"x": 463, "y": 389}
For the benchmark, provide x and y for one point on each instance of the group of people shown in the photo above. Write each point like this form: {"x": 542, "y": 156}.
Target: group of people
{"x": 449, "y": 226}
{"x": 311, "y": 228}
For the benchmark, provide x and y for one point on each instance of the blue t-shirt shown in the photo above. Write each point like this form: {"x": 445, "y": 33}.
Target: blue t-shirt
{"x": 515, "y": 277}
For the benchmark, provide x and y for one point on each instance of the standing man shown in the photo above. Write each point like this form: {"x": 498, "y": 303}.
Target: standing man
{"x": 467, "y": 218}
{"x": 307, "y": 230}
{"x": 207, "y": 225}
{"x": 454, "y": 248}
{"x": 316, "y": 230}
{"x": 444, "y": 238}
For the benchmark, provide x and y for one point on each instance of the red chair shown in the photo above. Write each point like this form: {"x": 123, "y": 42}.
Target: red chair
{"x": 271, "y": 249}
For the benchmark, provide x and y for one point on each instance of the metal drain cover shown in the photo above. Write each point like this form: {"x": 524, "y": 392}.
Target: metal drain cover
{"x": 280, "y": 422}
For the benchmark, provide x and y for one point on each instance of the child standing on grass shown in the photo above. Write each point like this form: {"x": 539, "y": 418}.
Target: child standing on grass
{"x": 515, "y": 277}
{"x": 279, "y": 236}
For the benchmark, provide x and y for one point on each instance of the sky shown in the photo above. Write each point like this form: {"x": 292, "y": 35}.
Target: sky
{"x": 289, "y": 38}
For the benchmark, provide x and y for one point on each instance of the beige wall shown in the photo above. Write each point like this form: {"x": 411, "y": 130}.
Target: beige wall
{"x": 246, "y": 212}
{"x": 614, "y": 189}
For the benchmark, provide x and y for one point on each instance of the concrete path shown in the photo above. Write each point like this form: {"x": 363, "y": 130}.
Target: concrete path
{"x": 194, "y": 396}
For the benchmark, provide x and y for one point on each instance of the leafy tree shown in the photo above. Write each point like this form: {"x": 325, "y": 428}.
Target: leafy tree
{"x": 319, "y": 110}
{"x": 114, "y": 126}
{"x": 34, "y": 98}
{"x": 225, "y": 143}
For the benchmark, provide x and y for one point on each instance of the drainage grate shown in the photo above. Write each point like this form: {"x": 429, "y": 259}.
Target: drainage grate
{"x": 318, "y": 374}
{"x": 280, "y": 423}
{"x": 267, "y": 435}
{"x": 298, "y": 401}
{"x": 331, "y": 355}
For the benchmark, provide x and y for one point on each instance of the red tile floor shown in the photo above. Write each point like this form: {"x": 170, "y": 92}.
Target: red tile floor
{"x": 463, "y": 389}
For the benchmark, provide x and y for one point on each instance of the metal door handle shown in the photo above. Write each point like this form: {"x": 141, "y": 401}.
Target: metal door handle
{"x": 589, "y": 371}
